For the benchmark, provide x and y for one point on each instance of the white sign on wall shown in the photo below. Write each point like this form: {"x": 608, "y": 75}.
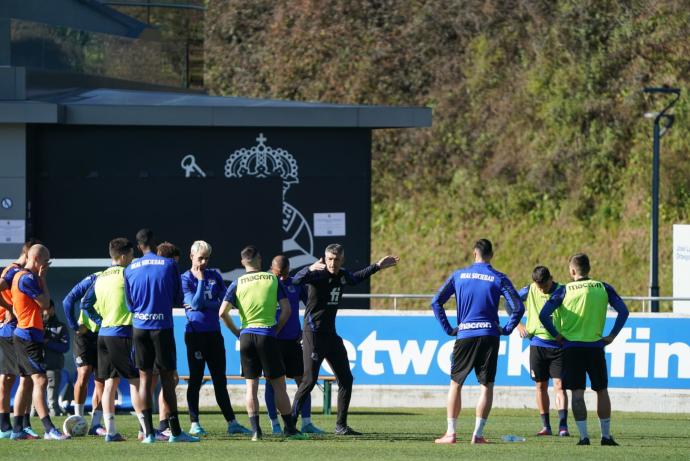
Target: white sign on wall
{"x": 12, "y": 231}
{"x": 329, "y": 224}
{"x": 681, "y": 267}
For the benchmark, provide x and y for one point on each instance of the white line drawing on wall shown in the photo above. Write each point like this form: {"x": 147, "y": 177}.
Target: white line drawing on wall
{"x": 263, "y": 161}
{"x": 190, "y": 167}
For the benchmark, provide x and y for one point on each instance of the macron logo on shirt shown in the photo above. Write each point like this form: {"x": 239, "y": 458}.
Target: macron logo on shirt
{"x": 475, "y": 325}
{"x": 477, "y": 276}
{"x": 147, "y": 262}
{"x": 145, "y": 317}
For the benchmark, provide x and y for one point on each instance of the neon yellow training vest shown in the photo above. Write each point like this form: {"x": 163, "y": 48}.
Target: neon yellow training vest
{"x": 583, "y": 312}
{"x": 533, "y": 304}
{"x": 110, "y": 298}
{"x": 257, "y": 299}
{"x": 87, "y": 322}
{"x": 84, "y": 318}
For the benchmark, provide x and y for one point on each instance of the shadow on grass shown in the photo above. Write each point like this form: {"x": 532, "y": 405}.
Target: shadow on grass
{"x": 380, "y": 413}
{"x": 319, "y": 413}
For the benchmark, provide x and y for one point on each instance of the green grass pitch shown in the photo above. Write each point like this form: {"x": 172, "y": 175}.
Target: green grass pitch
{"x": 395, "y": 433}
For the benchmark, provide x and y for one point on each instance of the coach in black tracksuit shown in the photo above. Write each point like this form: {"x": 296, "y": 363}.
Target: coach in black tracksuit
{"x": 325, "y": 281}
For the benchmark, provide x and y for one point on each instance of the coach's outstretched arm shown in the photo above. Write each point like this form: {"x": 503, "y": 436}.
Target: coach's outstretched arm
{"x": 550, "y": 306}
{"x": 227, "y": 319}
{"x": 444, "y": 293}
{"x": 617, "y": 303}
{"x": 514, "y": 306}
{"x": 384, "y": 263}
{"x": 353, "y": 278}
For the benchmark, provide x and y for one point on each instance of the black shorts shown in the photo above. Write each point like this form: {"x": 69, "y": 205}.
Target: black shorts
{"x": 155, "y": 348}
{"x": 545, "y": 363}
{"x": 260, "y": 353}
{"x": 479, "y": 354}
{"x": 86, "y": 350}
{"x": 8, "y": 357}
{"x": 580, "y": 362}
{"x": 291, "y": 353}
{"x": 205, "y": 348}
{"x": 30, "y": 357}
{"x": 116, "y": 358}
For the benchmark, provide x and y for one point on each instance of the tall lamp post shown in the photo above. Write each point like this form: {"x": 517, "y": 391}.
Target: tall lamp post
{"x": 662, "y": 123}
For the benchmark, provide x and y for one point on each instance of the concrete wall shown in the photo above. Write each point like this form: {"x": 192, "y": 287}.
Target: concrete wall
{"x": 634, "y": 400}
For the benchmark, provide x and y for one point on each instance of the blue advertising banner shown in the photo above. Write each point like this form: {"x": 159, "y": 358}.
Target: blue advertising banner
{"x": 410, "y": 348}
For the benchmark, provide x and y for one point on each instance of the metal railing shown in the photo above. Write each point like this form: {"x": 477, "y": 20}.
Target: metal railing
{"x": 395, "y": 297}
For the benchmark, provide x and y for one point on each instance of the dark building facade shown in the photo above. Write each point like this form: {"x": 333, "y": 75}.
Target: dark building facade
{"x": 85, "y": 157}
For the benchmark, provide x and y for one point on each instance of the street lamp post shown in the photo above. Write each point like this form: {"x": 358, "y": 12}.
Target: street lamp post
{"x": 662, "y": 123}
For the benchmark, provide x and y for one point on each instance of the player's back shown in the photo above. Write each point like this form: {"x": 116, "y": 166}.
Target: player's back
{"x": 583, "y": 312}
{"x": 110, "y": 302}
{"x": 257, "y": 299}
{"x": 152, "y": 285}
{"x": 534, "y": 302}
{"x": 478, "y": 290}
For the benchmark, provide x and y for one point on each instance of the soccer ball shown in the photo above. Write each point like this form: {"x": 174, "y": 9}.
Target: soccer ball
{"x": 75, "y": 426}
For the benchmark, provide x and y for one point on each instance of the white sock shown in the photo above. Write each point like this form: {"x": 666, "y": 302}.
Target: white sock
{"x": 605, "y": 428}
{"x": 96, "y": 418}
{"x": 79, "y": 409}
{"x": 479, "y": 426}
{"x": 451, "y": 425}
{"x": 109, "y": 423}
{"x": 275, "y": 422}
{"x": 142, "y": 424}
{"x": 306, "y": 421}
{"x": 582, "y": 427}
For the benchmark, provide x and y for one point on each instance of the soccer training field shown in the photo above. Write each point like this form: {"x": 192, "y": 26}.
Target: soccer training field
{"x": 390, "y": 434}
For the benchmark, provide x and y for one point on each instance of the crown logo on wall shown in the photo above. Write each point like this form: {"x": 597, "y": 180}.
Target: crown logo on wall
{"x": 262, "y": 161}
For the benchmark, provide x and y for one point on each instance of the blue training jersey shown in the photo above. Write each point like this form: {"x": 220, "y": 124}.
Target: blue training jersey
{"x": 478, "y": 289}
{"x": 152, "y": 289}
{"x": 73, "y": 299}
{"x": 295, "y": 294}
{"x": 202, "y": 300}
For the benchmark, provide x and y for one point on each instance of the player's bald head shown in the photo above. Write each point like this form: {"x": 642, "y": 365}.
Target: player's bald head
{"x": 280, "y": 265}
{"x": 38, "y": 251}
{"x": 281, "y": 262}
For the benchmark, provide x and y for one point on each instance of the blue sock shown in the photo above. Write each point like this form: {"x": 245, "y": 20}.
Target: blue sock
{"x": 17, "y": 424}
{"x": 271, "y": 402}
{"x": 563, "y": 417}
{"x": 306, "y": 408}
{"x": 545, "y": 421}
